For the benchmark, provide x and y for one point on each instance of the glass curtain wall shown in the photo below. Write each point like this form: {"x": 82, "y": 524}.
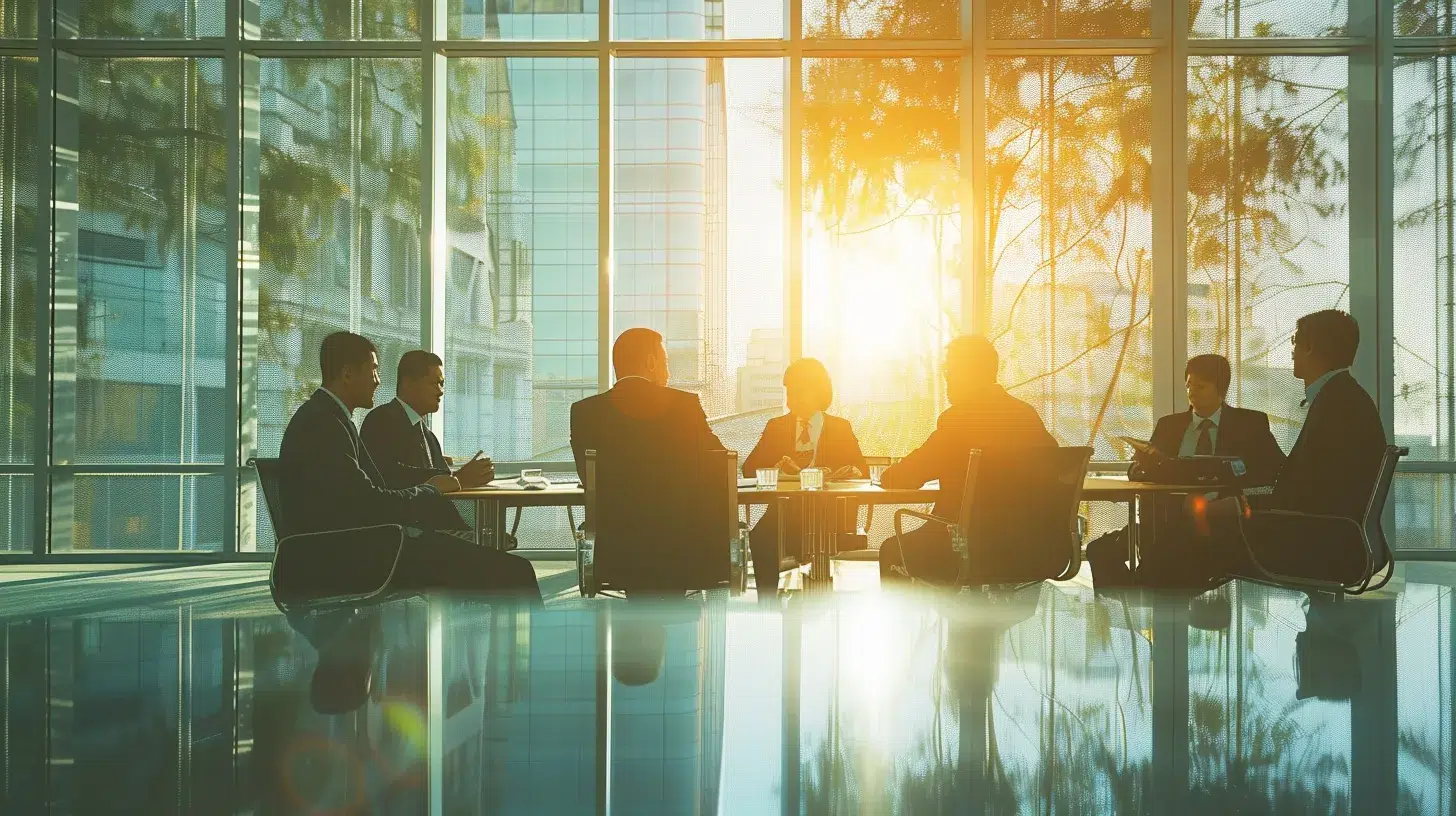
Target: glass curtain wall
{"x": 193, "y": 193}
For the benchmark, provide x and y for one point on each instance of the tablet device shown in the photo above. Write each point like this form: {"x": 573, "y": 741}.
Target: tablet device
{"x": 1139, "y": 445}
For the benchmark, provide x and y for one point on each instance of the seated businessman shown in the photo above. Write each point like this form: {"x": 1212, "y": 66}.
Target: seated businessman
{"x": 404, "y": 448}
{"x": 1212, "y": 427}
{"x": 1209, "y": 427}
{"x": 981, "y": 416}
{"x": 330, "y": 482}
{"x": 1333, "y": 466}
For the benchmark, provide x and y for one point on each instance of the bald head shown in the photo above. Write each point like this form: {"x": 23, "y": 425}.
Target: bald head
{"x": 971, "y": 364}
{"x": 640, "y": 353}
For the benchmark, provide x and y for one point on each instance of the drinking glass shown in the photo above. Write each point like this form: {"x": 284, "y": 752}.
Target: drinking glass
{"x": 768, "y": 478}
{"x": 876, "y": 471}
{"x": 811, "y": 479}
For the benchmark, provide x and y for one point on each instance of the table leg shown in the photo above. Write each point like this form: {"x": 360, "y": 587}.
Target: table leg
{"x": 818, "y": 541}
{"x": 490, "y": 523}
{"x": 1148, "y": 535}
{"x": 1132, "y": 533}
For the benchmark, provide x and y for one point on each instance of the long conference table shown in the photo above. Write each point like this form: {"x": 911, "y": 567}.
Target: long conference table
{"x": 492, "y": 502}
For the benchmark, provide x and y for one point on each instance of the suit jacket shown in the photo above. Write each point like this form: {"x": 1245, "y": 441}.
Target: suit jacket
{"x": 1242, "y": 432}
{"x": 330, "y": 482}
{"x": 838, "y": 446}
{"x": 658, "y": 525}
{"x": 638, "y": 415}
{"x": 1332, "y": 468}
{"x": 991, "y": 419}
{"x": 406, "y": 454}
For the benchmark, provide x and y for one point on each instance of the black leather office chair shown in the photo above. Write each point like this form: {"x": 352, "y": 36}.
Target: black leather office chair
{"x": 658, "y": 524}
{"x": 1019, "y": 526}
{"x": 305, "y": 576}
{"x": 1366, "y": 536}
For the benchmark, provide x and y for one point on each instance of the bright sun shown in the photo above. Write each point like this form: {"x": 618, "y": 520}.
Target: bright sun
{"x": 872, "y": 298}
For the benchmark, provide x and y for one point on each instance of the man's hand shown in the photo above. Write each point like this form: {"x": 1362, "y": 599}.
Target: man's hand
{"x": 444, "y": 484}
{"x": 846, "y": 472}
{"x": 789, "y": 466}
{"x": 477, "y": 472}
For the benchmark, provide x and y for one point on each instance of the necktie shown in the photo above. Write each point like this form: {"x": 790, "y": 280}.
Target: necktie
{"x": 804, "y": 432}
{"x": 429, "y": 452}
{"x": 1205, "y": 439}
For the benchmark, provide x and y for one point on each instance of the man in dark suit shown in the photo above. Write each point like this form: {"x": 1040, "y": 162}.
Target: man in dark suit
{"x": 1212, "y": 427}
{"x": 331, "y": 483}
{"x": 651, "y": 441}
{"x": 1333, "y": 466}
{"x": 640, "y": 411}
{"x": 404, "y": 448}
{"x": 1209, "y": 427}
{"x": 981, "y": 416}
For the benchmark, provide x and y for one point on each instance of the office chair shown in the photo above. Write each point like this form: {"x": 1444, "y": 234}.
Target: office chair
{"x": 304, "y": 576}
{"x": 656, "y": 524}
{"x": 1021, "y": 526}
{"x": 1366, "y": 534}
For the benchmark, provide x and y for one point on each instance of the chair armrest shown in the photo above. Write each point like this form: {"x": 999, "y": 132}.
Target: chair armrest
{"x": 925, "y": 517}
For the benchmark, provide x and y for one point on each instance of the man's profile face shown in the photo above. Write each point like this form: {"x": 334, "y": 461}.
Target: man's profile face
{"x": 361, "y": 381}
{"x": 425, "y": 392}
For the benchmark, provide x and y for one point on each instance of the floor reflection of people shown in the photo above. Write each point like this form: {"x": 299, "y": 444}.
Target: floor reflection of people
{"x": 340, "y": 731}
{"x": 666, "y": 705}
{"x": 973, "y": 646}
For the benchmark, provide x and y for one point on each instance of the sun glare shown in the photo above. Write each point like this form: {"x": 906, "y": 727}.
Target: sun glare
{"x": 872, "y": 298}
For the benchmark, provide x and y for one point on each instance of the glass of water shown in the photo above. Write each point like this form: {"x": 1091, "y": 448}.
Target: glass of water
{"x": 876, "y": 471}
{"x": 768, "y": 478}
{"x": 811, "y": 479}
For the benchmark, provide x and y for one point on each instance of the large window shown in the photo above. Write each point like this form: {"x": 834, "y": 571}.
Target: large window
{"x": 190, "y": 202}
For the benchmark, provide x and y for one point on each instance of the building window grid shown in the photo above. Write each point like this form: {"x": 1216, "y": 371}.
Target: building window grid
{"x": 974, "y": 46}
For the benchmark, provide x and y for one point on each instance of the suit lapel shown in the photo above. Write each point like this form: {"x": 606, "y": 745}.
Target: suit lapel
{"x": 1226, "y": 425}
{"x": 361, "y": 453}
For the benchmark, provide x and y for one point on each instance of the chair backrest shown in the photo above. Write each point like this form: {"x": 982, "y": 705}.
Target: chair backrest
{"x": 661, "y": 522}
{"x": 1022, "y": 522}
{"x": 1375, "y": 509}
{"x": 270, "y": 478}
{"x": 968, "y": 495}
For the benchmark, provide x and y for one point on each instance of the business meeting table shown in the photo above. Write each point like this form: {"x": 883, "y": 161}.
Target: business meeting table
{"x": 492, "y": 502}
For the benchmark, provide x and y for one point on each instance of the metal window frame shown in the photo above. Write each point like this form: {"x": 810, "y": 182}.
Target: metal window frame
{"x": 1371, "y": 49}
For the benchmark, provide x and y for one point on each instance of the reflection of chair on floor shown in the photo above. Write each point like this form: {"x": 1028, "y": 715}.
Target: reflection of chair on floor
{"x": 660, "y": 526}
{"x": 1329, "y": 553}
{"x": 1018, "y": 518}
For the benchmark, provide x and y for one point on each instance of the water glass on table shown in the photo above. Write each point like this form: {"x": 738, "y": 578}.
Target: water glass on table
{"x": 811, "y": 478}
{"x": 768, "y": 478}
{"x": 876, "y": 471}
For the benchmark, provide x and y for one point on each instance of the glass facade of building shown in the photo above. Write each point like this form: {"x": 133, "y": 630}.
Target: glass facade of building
{"x": 194, "y": 192}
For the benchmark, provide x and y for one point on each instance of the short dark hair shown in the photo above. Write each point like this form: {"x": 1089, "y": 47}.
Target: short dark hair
{"x": 1212, "y": 367}
{"x": 1332, "y": 334}
{"x": 341, "y": 350}
{"x": 973, "y": 356}
{"x": 633, "y": 348}
{"x": 416, "y": 363}
{"x": 810, "y": 374}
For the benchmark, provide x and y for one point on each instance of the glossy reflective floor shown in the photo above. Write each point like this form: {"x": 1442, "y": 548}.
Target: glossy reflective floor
{"x": 1055, "y": 700}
